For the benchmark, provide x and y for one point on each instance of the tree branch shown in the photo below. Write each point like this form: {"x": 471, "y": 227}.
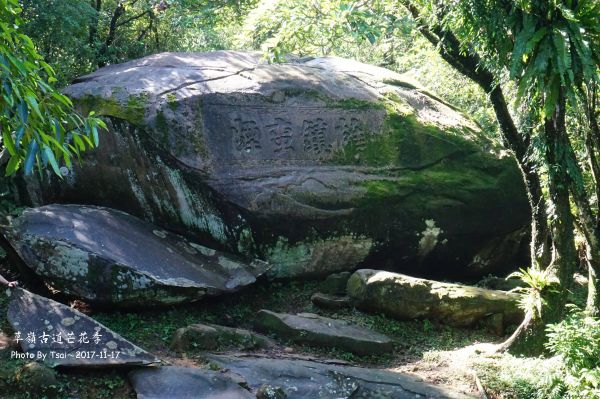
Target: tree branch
{"x": 128, "y": 20}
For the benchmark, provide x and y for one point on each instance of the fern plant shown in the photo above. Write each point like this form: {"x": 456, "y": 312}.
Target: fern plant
{"x": 577, "y": 341}
{"x": 538, "y": 281}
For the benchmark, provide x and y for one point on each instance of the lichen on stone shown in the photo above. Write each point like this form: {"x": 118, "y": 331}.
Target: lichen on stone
{"x": 429, "y": 238}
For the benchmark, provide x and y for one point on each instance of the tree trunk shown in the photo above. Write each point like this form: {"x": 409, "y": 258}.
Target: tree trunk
{"x": 112, "y": 31}
{"x": 97, "y": 5}
{"x": 592, "y": 306}
{"x": 522, "y": 330}
{"x": 564, "y": 254}
{"x": 562, "y": 221}
{"x": 592, "y": 143}
{"x": 514, "y": 140}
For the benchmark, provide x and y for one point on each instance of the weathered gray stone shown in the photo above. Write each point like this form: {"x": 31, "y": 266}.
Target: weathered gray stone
{"x": 300, "y": 379}
{"x": 335, "y": 284}
{"x": 110, "y": 257}
{"x": 308, "y": 328}
{"x": 212, "y": 336}
{"x": 405, "y": 297}
{"x": 333, "y": 302}
{"x": 172, "y": 382}
{"x": 83, "y": 341}
{"x": 315, "y": 166}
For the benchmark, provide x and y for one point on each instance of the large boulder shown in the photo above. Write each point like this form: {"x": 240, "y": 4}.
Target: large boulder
{"x": 109, "y": 257}
{"x": 406, "y": 297}
{"x": 316, "y": 166}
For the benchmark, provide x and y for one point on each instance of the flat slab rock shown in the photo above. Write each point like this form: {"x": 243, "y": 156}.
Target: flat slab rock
{"x": 333, "y": 302}
{"x": 213, "y": 336}
{"x": 107, "y": 256}
{"x": 66, "y": 337}
{"x": 309, "y": 328}
{"x": 184, "y": 383}
{"x": 302, "y": 379}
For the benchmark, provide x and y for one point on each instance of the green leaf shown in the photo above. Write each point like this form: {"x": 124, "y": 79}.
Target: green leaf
{"x": 95, "y": 135}
{"x": 50, "y": 156}
{"x": 34, "y": 104}
{"x": 8, "y": 142}
{"x": 57, "y": 129}
{"x": 13, "y": 165}
{"x": 19, "y": 135}
{"x": 23, "y": 112}
{"x": 551, "y": 98}
{"x": 30, "y": 156}
{"x": 79, "y": 142}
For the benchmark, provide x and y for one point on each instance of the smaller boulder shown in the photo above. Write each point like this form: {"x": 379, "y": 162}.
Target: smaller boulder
{"x": 107, "y": 256}
{"x": 331, "y": 302}
{"x": 335, "y": 284}
{"x": 405, "y": 297}
{"x": 61, "y": 336}
{"x": 212, "y": 336}
{"x": 311, "y": 329}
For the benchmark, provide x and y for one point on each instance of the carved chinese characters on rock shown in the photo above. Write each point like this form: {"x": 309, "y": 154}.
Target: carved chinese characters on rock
{"x": 353, "y": 132}
{"x": 269, "y": 133}
{"x": 281, "y": 135}
{"x": 246, "y": 135}
{"x": 314, "y": 133}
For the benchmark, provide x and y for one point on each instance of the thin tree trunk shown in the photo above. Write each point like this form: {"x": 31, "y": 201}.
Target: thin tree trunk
{"x": 518, "y": 333}
{"x": 557, "y": 159}
{"x": 592, "y": 142}
{"x": 592, "y": 306}
{"x": 97, "y": 5}
{"x": 112, "y": 30}
{"x": 530, "y": 339}
{"x": 540, "y": 234}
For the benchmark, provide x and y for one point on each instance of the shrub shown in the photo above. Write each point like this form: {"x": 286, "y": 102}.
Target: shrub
{"x": 577, "y": 341}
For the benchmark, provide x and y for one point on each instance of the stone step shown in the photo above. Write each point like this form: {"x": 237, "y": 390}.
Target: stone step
{"x": 311, "y": 329}
{"x": 332, "y": 302}
{"x": 212, "y": 336}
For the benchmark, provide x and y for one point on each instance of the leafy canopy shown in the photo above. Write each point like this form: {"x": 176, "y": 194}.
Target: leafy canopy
{"x": 320, "y": 27}
{"x": 549, "y": 47}
{"x": 37, "y": 123}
